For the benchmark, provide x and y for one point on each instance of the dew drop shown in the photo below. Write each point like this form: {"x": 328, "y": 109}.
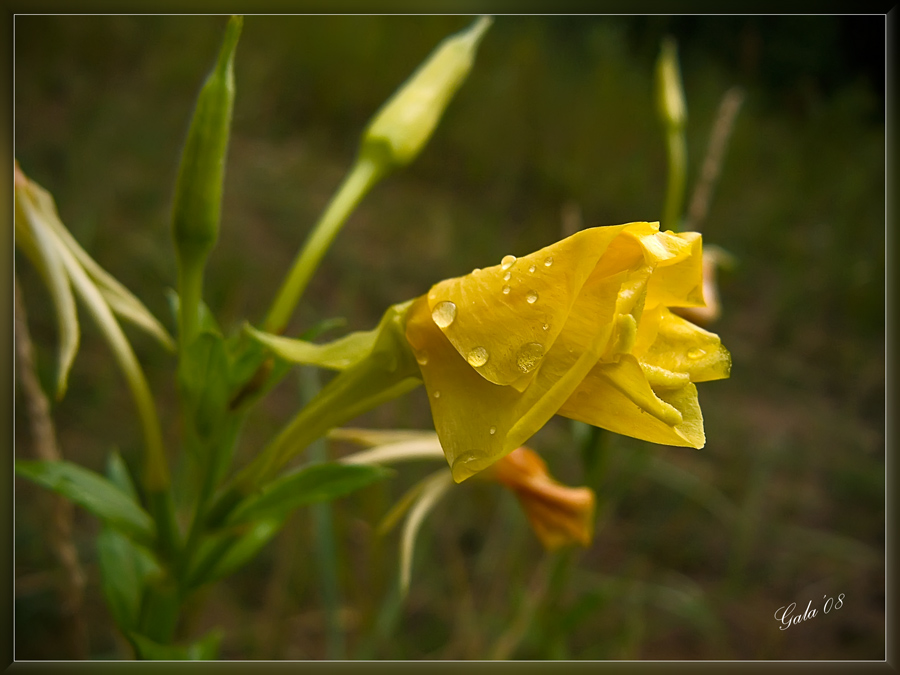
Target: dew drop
{"x": 422, "y": 358}
{"x": 444, "y": 313}
{"x": 546, "y": 326}
{"x": 506, "y": 290}
{"x": 477, "y": 357}
{"x": 532, "y": 269}
{"x": 531, "y": 297}
{"x": 696, "y": 353}
{"x": 476, "y": 271}
{"x": 507, "y": 276}
{"x": 548, "y": 261}
{"x": 529, "y": 356}
{"x": 493, "y": 430}
{"x": 437, "y": 394}
{"x": 507, "y": 262}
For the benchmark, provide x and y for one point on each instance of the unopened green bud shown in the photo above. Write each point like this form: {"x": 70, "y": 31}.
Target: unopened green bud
{"x": 403, "y": 125}
{"x": 669, "y": 90}
{"x": 198, "y": 192}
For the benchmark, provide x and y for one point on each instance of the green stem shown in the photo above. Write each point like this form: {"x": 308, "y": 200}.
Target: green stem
{"x": 677, "y": 153}
{"x": 190, "y": 292}
{"x": 364, "y": 174}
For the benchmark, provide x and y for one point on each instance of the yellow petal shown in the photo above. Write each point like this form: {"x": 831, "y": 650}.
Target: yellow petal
{"x": 678, "y": 280}
{"x": 675, "y": 344}
{"x": 504, "y": 308}
{"x": 617, "y": 397}
{"x": 477, "y": 421}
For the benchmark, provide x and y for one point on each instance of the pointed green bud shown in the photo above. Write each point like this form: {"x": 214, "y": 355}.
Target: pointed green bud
{"x": 399, "y": 131}
{"x": 198, "y": 192}
{"x": 669, "y": 89}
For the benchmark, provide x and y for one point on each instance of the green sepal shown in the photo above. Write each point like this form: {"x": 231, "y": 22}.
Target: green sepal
{"x": 376, "y": 372}
{"x": 94, "y": 493}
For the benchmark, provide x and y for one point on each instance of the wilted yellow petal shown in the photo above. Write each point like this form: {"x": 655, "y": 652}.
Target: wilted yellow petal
{"x": 560, "y": 515}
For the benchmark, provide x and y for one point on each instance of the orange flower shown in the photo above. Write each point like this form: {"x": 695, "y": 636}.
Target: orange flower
{"x": 559, "y": 515}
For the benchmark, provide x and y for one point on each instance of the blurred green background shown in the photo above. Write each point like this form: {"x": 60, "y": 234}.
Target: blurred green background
{"x": 694, "y": 550}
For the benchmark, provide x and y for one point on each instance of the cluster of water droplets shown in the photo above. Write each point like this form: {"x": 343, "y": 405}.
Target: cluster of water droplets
{"x": 530, "y": 354}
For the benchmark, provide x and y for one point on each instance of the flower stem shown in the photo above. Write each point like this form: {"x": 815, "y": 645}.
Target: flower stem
{"x": 676, "y": 148}
{"x": 364, "y": 174}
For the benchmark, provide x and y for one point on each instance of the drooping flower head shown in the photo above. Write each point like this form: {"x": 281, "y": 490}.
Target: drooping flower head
{"x": 581, "y": 328}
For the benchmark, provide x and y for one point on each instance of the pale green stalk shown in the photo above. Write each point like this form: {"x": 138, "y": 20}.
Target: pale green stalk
{"x": 676, "y": 149}
{"x": 434, "y": 488}
{"x": 364, "y": 174}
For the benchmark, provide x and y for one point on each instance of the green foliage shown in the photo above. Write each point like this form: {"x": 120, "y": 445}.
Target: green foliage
{"x": 94, "y": 493}
{"x": 316, "y": 483}
{"x": 694, "y": 550}
{"x": 204, "y": 649}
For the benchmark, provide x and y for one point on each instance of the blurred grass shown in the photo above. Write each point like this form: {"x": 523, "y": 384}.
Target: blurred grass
{"x": 695, "y": 550}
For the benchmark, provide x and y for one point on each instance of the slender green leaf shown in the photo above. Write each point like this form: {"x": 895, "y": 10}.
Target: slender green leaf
{"x": 246, "y": 547}
{"x": 117, "y": 472}
{"x": 93, "y": 493}
{"x": 124, "y": 571}
{"x": 204, "y": 649}
{"x": 316, "y": 483}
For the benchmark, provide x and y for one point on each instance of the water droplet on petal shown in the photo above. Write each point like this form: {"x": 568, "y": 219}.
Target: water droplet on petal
{"x": 532, "y": 268}
{"x": 476, "y": 270}
{"x": 477, "y": 357}
{"x": 507, "y": 262}
{"x": 548, "y": 261}
{"x": 493, "y": 430}
{"x": 437, "y": 394}
{"x": 529, "y": 356}
{"x": 422, "y": 358}
{"x": 444, "y": 313}
{"x": 507, "y": 276}
{"x": 696, "y": 353}
{"x": 531, "y": 297}
{"x": 546, "y": 326}
{"x": 506, "y": 290}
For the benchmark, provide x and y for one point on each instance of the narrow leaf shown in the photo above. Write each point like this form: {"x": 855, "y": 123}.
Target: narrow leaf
{"x": 246, "y": 547}
{"x": 316, "y": 483}
{"x": 92, "y": 492}
{"x": 124, "y": 570}
{"x": 204, "y": 649}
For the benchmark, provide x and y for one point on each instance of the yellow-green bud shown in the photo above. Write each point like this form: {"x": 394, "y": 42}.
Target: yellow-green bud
{"x": 669, "y": 90}
{"x": 198, "y": 192}
{"x": 402, "y": 126}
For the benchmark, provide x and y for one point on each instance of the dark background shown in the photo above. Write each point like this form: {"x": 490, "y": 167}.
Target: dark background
{"x": 694, "y": 550}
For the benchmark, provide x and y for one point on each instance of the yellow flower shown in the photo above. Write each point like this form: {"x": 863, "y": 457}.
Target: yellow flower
{"x": 559, "y": 515}
{"x": 581, "y": 328}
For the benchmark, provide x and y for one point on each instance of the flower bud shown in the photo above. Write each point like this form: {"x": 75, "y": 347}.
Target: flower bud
{"x": 669, "y": 89}
{"x": 198, "y": 192}
{"x": 403, "y": 125}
